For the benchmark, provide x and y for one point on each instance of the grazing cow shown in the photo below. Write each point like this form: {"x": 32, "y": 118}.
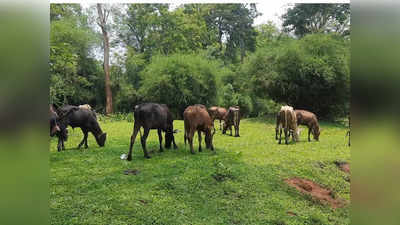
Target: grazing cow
{"x": 54, "y": 128}
{"x": 152, "y": 116}
{"x": 310, "y": 120}
{"x": 83, "y": 118}
{"x": 217, "y": 113}
{"x": 287, "y": 120}
{"x": 232, "y": 118}
{"x": 196, "y": 118}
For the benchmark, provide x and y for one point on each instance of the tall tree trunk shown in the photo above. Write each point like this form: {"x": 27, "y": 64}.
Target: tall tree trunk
{"x": 102, "y": 23}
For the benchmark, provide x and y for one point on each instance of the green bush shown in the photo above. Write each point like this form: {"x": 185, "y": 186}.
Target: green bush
{"x": 180, "y": 80}
{"x": 311, "y": 73}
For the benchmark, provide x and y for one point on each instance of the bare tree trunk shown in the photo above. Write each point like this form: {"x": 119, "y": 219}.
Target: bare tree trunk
{"x": 102, "y": 22}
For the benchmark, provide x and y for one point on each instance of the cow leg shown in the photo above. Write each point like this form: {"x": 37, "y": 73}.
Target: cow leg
{"x": 173, "y": 141}
{"x": 160, "y": 139}
{"x": 59, "y": 144}
{"x": 286, "y": 135}
{"x": 136, "y": 129}
{"x": 190, "y": 139}
{"x": 84, "y": 140}
{"x": 220, "y": 125}
{"x": 230, "y": 130}
{"x": 199, "y": 135}
{"x": 62, "y": 145}
{"x": 143, "y": 140}
{"x": 237, "y": 130}
{"x": 309, "y": 131}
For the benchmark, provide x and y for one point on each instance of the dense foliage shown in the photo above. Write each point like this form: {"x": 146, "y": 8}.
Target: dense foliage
{"x": 311, "y": 73}
{"x": 180, "y": 80}
{"x": 204, "y": 53}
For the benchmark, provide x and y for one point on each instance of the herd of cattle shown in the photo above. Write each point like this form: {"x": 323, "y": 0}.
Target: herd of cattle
{"x": 157, "y": 116}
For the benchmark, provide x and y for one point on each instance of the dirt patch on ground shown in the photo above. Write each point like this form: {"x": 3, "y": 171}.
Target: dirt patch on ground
{"x": 344, "y": 166}
{"x": 316, "y": 191}
{"x": 131, "y": 172}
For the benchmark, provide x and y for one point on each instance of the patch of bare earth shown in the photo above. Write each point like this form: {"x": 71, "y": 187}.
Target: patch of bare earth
{"x": 316, "y": 191}
{"x": 344, "y": 166}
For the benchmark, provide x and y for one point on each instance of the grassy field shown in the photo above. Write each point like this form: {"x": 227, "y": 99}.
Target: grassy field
{"x": 243, "y": 183}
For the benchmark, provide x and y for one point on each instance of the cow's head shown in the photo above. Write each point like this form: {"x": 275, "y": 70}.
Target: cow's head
{"x": 54, "y": 128}
{"x": 169, "y": 137}
{"x": 101, "y": 139}
{"x": 224, "y": 127}
{"x": 316, "y": 133}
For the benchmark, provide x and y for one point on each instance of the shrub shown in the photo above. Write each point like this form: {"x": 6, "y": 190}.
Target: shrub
{"x": 180, "y": 80}
{"x": 311, "y": 73}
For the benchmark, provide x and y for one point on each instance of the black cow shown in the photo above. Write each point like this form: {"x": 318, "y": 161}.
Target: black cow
{"x": 83, "y": 118}
{"x": 152, "y": 116}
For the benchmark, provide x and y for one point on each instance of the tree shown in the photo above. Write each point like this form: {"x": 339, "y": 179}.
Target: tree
{"x": 103, "y": 14}
{"x": 72, "y": 69}
{"x": 318, "y": 18}
{"x": 233, "y": 23}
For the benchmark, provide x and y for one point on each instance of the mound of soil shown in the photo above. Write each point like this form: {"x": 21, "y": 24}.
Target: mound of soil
{"x": 344, "y": 166}
{"x": 316, "y": 191}
{"x": 131, "y": 172}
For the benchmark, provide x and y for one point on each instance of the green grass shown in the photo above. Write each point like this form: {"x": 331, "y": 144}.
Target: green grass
{"x": 174, "y": 187}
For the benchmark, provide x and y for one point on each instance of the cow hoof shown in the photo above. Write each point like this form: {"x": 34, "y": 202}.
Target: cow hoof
{"x": 86, "y": 147}
{"x": 147, "y": 156}
{"x": 193, "y": 153}
{"x": 175, "y": 147}
{"x": 129, "y": 158}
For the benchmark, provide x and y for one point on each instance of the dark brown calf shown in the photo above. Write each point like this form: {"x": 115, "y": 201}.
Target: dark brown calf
{"x": 196, "y": 118}
{"x": 232, "y": 118}
{"x": 310, "y": 120}
{"x": 217, "y": 113}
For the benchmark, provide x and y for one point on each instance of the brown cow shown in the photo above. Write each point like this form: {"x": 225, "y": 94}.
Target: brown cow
{"x": 310, "y": 120}
{"x": 287, "y": 120}
{"x": 217, "y": 112}
{"x": 196, "y": 118}
{"x": 232, "y": 118}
